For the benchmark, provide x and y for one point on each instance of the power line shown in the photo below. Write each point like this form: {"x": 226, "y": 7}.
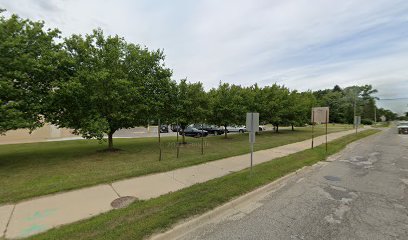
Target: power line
{"x": 388, "y": 99}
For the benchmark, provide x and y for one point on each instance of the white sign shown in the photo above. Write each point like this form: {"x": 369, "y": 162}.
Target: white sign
{"x": 252, "y": 125}
{"x": 252, "y": 122}
{"x": 319, "y": 114}
{"x": 357, "y": 120}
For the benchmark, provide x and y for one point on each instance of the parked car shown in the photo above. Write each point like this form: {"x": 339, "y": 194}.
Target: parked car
{"x": 194, "y": 132}
{"x": 211, "y": 129}
{"x": 175, "y": 128}
{"x": 234, "y": 128}
{"x": 164, "y": 129}
{"x": 402, "y": 128}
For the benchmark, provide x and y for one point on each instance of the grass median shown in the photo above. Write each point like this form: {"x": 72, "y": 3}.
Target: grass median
{"x": 381, "y": 124}
{"x": 143, "y": 218}
{"x": 35, "y": 169}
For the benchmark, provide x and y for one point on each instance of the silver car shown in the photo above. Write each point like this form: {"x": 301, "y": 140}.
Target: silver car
{"x": 234, "y": 128}
{"x": 403, "y": 128}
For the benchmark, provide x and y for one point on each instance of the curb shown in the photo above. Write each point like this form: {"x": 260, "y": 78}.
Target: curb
{"x": 193, "y": 223}
{"x": 188, "y": 225}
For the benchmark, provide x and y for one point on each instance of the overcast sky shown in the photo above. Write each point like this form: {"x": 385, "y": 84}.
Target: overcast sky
{"x": 302, "y": 44}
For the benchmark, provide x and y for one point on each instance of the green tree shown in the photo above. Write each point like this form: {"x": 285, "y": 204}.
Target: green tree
{"x": 113, "y": 85}
{"x": 274, "y": 100}
{"x": 251, "y": 97}
{"x": 192, "y": 104}
{"x": 388, "y": 114}
{"x": 344, "y": 103}
{"x": 227, "y": 105}
{"x": 297, "y": 108}
{"x": 30, "y": 61}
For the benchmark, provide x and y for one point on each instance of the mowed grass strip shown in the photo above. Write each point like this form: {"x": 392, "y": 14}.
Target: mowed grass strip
{"x": 381, "y": 125}
{"x": 35, "y": 169}
{"x": 143, "y": 218}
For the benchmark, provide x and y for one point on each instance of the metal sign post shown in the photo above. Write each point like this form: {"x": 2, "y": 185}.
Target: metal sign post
{"x": 252, "y": 126}
{"x": 160, "y": 150}
{"x": 202, "y": 139}
{"x": 319, "y": 115}
{"x": 357, "y": 122}
{"x": 312, "y": 127}
{"x": 327, "y": 121}
{"x": 178, "y": 144}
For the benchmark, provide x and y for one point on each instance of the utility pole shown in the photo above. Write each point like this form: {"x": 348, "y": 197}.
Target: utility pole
{"x": 375, "y": 114}
{"x": 355, "y": 99}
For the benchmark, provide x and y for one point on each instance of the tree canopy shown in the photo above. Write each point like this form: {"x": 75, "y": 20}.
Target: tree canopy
{"x": 227, "y": 105}
{"x": 192, "y": 104}
{"x": 97, "y": 84}
{"x": 111, "y": 85}
{"x": 342, "y": 101}
{"x": 30, "y": 61}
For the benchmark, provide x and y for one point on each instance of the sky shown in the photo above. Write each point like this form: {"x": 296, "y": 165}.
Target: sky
{"x": 302, "y": 44}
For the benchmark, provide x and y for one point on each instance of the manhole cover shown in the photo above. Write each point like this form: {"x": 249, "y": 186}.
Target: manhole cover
{"x": 123, "y": 202}
{"x": 332, "y": 178}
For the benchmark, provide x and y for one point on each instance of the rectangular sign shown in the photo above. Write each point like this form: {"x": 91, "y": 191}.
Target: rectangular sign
{"x": 319, "y": 115}
{"x": 252, "y": 122}
{"x": 252, "y": 125}
{"x": 357, "y": 120}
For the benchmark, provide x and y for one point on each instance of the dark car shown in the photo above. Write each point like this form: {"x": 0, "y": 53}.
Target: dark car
{"x": 164, "y": 129}
{"x": 211, "y": 129}
{"x": 175, "y": 128}
{"x": 194, "y": 132}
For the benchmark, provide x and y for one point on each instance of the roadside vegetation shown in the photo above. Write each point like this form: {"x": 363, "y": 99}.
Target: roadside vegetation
{"x": 143, "y": 218}
{"x": 96, "y": 84}
{"x": 34, "y": 169}
{"x": 381, "y": 124}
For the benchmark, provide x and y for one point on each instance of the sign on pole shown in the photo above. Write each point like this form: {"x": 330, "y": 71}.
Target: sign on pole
{"x": 319, "y": 115}
{"x": 357, "y": 122}
{"x": 252, "y": 122}
{"x": 252, "y": 126}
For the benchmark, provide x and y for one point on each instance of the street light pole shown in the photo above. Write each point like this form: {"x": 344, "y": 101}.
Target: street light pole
{"x": 355, "y": 110}
{"x": 375, "y": 114}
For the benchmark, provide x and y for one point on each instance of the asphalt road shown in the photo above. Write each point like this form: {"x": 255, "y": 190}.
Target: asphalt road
{"x": 362, "y": 193}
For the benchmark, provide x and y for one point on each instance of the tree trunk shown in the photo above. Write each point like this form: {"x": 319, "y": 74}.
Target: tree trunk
{"x": 184, "y": 136}
{"x": 293, "y": 129}
{"x": 225, "y": 131}
{"x": 277, "y": 128}
{"x": 110, "y": 140}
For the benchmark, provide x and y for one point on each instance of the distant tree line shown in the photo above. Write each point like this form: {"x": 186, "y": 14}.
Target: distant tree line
{"x": 359, "y": 100}
{"x": 97, "y": 84}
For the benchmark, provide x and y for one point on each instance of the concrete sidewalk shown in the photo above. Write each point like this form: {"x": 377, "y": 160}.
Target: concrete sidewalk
{"x": 40, "y": 214}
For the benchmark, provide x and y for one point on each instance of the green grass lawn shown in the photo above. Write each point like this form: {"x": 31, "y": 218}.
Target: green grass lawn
{"x": 381, "y": 125}
{"x": 144, "y": 218}
{"x": 34, "y": 169}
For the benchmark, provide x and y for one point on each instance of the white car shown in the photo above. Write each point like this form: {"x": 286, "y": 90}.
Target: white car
{"x": 403, "y": 128}
{"x": 240, "y": 129}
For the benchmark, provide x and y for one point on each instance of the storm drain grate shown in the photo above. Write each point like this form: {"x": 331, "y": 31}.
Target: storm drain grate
{"x": 123, "y": 202}
{"x": 332, "y": 178}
